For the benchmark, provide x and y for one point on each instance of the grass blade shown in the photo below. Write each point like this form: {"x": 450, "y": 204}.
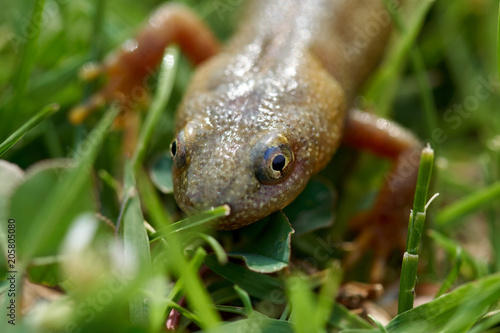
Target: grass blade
{"x": 165, "y": 84}
{"x": 216, "y": 247}
{"x": 192, "y": 285}
{"x": 490, "y": 320}
{"x": 194, "y": 265}
{"x": 136, "y": 243}
{"x": 151, "y": 201}
{"x": 43, "y": 114}
{"x": 22, "y": 73}
{"x": 415, "y": 231}
{"x": 453, "y": 312}
{"x": 383, "y": 84}
{"x": 303, "y": 305}
{"x": 451, "y": 214}
{"x": 418, "y": 64}
{"x": 245, "y": 299}
{"x": 452, "y": 276}
{"x": 475, "y": 267}
{"x": 192, "y": 221}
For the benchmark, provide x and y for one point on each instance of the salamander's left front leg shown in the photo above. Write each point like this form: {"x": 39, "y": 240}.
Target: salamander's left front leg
{"x": 128, "y": 68}
{"x": 383, "y": 228}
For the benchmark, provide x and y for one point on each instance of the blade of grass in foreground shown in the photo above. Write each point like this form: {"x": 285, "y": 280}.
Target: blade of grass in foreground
{"x": 453, "y": 312}
{"x": 197, "y": 296}
{"x": 43, "y": 114}
{"x": 176, "y": 291}
{"x": 62, "y": 196}
{"x": 415, "y": 231}
{"x": 192, "y": 221}
{"x": 151, "y": 201}
{"x": 303, "y": 305}
{"x": 165, "y": 84}
{"x": 136, "y": 243}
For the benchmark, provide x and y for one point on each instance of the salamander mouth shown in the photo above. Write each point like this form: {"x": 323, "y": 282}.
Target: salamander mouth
{"x": 238, "y": 217}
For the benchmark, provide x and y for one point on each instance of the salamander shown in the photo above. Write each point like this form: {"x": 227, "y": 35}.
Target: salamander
{"x": 269, "y": 109}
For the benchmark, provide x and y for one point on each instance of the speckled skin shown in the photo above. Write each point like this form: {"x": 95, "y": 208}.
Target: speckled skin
{"x": 292, "y": 69}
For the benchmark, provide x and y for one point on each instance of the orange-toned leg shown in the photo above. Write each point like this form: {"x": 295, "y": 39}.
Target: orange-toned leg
{"x": 129, "y": 68}
{"x": 383, "y": 228}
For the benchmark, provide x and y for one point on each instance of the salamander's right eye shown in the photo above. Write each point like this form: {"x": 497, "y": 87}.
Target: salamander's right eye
{"x": 273, "y": 158}
{"x": 178, "y": 150}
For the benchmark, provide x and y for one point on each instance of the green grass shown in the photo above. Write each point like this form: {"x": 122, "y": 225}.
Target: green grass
{"x": 133, "y": 275}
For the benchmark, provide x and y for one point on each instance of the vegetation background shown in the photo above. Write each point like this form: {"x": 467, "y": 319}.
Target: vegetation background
{"x": 440, "y": 79}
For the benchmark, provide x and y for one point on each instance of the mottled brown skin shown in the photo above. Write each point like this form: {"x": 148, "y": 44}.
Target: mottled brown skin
{"x": 282, "y": 85}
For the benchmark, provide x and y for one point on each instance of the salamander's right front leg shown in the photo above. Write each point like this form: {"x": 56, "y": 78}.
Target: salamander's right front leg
{"x": 383, "y": 227}
{"x": 127, "y": 69}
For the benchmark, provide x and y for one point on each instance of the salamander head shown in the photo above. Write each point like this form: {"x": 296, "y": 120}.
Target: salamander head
{"x": 253, "y": 144}
{"x": 255, "y": 178}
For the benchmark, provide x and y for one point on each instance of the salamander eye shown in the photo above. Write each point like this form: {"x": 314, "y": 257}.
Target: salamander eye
{"x": 279, "y": 162}
{"x": 273, "y": 159}
{"x": 178, "y": 150}
{"x": 173, "y": 148}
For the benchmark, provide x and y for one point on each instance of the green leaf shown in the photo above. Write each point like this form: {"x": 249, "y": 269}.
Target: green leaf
{"x": 34, "y": 194}
{"x": 313, "y": 207}
{"x": 453, "y": 312}
{"x": 136, "y": 243}
{"x": 161, "y": 173}
{"x": 271, "y": 250}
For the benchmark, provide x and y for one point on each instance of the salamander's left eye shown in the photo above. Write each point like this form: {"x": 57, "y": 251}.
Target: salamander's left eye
{"x": 273, "y": 159}
{"x": 173, "y": 148}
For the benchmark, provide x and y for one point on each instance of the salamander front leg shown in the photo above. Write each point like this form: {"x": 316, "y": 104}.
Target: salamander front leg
{"x": 128, "y": 68}
{"x": 383, "y": 227}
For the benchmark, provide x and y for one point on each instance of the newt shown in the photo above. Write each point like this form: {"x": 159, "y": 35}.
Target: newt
{"x": 269, "y": 109}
